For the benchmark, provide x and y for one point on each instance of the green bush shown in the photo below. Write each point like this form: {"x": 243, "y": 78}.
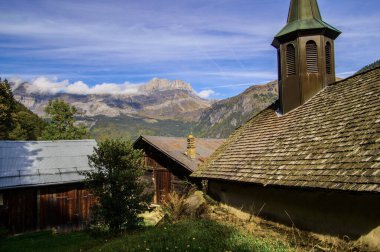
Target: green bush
{"x": 117, "y": 182}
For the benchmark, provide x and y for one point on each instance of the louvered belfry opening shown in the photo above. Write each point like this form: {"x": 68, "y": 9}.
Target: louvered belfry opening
{"x": 312, "y": 57}
{"x": 306, "y": 59}
{"x": 328, "y": 58}
{"x": 290, "y": 60}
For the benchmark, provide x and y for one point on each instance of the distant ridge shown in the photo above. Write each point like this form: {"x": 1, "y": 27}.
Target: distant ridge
{"x": 221, "y": 119}
{"x": 369, "y": 67}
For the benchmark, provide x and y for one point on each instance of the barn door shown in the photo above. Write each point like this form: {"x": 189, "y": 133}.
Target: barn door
{"x": 85, "y": 201}
{"x": 163, "y": 179}
{"x": 65, "y": 208}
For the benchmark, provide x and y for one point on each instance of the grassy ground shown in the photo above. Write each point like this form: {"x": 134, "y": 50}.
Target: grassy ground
{"x": 200, "y": 235}
{"x": 192, "y": 236}
{"x": 46, "y": 241}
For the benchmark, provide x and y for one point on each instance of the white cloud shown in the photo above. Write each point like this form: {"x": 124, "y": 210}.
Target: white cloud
{"x": 17, "y": 81}
{"x": 245, "y": 74}
{"x": 206, "y": 93}
{"x": 345, "y": 74}
{"x": 144, "y": 39}
{"x": 220, "y": 42}
{"x": 45, "y": 85}
{"x": 52, "y": 86}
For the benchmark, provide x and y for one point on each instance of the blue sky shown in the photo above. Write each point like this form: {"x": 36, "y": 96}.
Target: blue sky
{"x": 219, "y": 46}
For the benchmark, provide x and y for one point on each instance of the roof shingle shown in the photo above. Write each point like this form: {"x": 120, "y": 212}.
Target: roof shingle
{"x": 330, "y": 142}
{"x": 175, "y": 148}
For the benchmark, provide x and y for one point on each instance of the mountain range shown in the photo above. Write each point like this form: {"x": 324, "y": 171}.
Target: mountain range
{"x": 159, "y": 107}
{"x": 159, "y": 99}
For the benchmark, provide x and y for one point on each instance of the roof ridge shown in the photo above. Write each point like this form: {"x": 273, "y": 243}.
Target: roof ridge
{"x": 206, "y": 138}
{"x": 353, "y": 76}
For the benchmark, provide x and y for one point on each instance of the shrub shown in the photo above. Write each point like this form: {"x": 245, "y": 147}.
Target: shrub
{"x": 117, "y": 182}
{"x": 191, "y": 205}
{"x": 174, "y": 207}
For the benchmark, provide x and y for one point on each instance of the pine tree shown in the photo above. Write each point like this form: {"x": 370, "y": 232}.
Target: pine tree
{"x": 7, "y": 107}
{"x": 27, "y": 126}
{"x": 62, "y": 122}
{"x": 116, "y": 181}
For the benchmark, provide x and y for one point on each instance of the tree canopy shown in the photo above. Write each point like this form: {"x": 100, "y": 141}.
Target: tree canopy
{"x": 7, "y": 107}
{"x": 62, "y": 122}
{"x": 16, "y": 121}
{"x": 116, "y": 181}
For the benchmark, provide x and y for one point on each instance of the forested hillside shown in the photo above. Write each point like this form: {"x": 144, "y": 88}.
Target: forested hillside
{"x": 16, "y": 121}
{"x": 369, "y": 67}
{"x": 133, "y": 127}
{"x": 226, "y": 115}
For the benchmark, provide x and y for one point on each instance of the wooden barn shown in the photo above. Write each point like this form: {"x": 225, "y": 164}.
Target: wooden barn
{"x": 312, "y": 159}
{"x": 40, "y": 184}
{"x": 170, "y": 161}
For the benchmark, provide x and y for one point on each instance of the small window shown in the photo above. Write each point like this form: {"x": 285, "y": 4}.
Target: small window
{"x": 1, "y": 200}
{"x": 312, "y": 57}
{"x": 290, "y": 60}
{"x": 328, "y": 58}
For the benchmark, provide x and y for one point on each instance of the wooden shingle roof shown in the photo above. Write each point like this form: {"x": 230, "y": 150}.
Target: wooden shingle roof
{"x": 330, "y": 142}
{"x": 175, "y": 148}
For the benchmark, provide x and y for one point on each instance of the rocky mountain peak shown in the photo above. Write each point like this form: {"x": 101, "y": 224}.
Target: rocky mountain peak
{"x": 157, "y": 84}
{"x": 159, "y": 98}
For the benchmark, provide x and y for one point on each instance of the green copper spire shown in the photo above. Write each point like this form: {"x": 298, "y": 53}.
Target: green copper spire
{"x": 303, "y": 10}
{"x": 304, "y": 15}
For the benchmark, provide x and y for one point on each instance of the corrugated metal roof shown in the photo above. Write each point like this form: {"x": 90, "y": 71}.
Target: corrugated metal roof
{"x": 175, "y": 148}
{"x": 33, "y": 163}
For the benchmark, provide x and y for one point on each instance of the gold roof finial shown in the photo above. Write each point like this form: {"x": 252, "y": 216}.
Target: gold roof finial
{"x": 191, "y": 146}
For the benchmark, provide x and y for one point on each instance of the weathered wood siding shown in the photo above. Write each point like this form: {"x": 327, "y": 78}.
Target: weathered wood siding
{"x": 19, "y": 210}
{"x": 65, "y": 208}
{"x": 61, "y": 207}
{"x": 164, "y": 177}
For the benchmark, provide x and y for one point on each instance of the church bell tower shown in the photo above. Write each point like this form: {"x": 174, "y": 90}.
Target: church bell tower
{"x": 305, "y": 49}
